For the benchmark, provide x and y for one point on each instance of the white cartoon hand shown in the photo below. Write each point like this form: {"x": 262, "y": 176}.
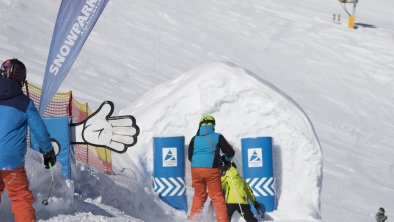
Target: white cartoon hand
{"x": 117, "y": 133}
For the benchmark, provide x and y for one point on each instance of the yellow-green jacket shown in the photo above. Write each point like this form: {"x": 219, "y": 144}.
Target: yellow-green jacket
{"x": 241, "y": 186}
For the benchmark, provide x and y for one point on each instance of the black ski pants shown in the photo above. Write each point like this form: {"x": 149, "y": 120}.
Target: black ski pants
{"x": 248, "y": 215}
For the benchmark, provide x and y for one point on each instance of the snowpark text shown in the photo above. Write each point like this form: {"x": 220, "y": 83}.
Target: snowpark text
{"x": 87, "y": 13}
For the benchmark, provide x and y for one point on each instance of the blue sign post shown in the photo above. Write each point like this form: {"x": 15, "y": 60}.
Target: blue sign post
{"x": 169, "y": 170}
{"x": 257, "y": 165}
{"x": 59, "y": 129}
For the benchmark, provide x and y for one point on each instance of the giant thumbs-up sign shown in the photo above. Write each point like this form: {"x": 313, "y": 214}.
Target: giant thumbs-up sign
{"x": 117, "y": 133}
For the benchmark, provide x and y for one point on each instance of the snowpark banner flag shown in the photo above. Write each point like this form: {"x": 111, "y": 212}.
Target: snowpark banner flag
{"x": 74, "y": 23}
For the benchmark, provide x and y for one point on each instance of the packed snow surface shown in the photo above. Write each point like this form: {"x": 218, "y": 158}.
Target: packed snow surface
{"x": 92, "y": 196}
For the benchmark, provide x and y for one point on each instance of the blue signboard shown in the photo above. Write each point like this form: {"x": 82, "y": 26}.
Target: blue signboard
{"x": 257, "y": 165}
{"x": 169, "y": 170}
{"x": 59, "y": 129}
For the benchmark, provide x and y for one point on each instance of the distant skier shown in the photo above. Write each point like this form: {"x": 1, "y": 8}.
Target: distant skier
{"x": 17, "y": 112}
{"x": 380, "y": 217}
{"x": 204, "y": 154}
{"x": 238, "y": 193}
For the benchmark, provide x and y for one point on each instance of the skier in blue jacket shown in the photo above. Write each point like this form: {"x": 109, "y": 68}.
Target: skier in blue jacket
{"x": 17, "y": 112}
{"x": 204, "y": 154}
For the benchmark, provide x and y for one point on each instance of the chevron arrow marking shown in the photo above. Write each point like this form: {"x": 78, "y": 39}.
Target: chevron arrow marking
{"x": 164, "y": 185}
{"x": 170, "y": 186}
{"x": 183, "y": 186}
{"x": 273, "y": 186}
{"x": 177, "y": 186}
{"x": 154, "y": 185}
{"x": 251, "y": 184}
{"x": 266, "y": 186}
{"x": 160, "y": 185}
{"x": 253, "y": 181}
{"x": 258, "y": 186}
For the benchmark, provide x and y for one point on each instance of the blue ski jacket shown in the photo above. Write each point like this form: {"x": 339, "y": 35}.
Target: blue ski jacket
{"x": 204, "y": 148}
{"x": 17, "y": 111}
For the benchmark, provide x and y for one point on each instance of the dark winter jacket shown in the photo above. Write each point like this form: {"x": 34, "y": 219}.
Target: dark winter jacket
{"x": 17, "y": 112}
{"x": 380, "y": 217}
{"x": 205, "y": 147}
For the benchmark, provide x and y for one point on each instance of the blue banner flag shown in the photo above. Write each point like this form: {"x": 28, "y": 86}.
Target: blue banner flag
{"x": 74, "y": 23}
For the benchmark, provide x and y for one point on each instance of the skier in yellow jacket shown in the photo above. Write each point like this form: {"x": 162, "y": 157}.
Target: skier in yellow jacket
{"x": 238, "y": 193}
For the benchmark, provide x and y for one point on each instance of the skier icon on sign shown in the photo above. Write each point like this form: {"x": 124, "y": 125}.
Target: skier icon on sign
{"x": 170, "y": 157}
{"x": 255, "y": 157}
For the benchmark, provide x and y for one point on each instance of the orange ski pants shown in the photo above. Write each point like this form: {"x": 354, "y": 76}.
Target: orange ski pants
{"x": 202, "y": 179}
{"x": 17, "y": 184}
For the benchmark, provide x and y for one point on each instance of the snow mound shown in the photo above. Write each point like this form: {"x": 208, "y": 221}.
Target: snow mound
{"x": 244, "y": 105}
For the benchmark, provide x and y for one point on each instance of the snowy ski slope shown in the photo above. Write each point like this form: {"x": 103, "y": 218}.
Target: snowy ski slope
{"x": 342, "y": 79}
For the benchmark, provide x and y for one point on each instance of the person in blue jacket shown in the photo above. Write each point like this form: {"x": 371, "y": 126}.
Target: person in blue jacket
{"x": 204, "y": 154}
{"x": 17, "y": 112}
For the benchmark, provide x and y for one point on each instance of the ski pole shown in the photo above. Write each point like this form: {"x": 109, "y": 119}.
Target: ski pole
{"x": 45, "y": 201}
{"x": 236, "y": 193}
{"x": 262, "y": 215}
{"x": 259, "y": 211}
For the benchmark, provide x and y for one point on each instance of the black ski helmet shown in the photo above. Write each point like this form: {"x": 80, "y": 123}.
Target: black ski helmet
{"x": 13, "y": 69}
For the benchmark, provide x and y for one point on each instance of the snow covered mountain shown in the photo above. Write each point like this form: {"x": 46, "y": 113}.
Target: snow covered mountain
{"x": 341, "y": 78}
